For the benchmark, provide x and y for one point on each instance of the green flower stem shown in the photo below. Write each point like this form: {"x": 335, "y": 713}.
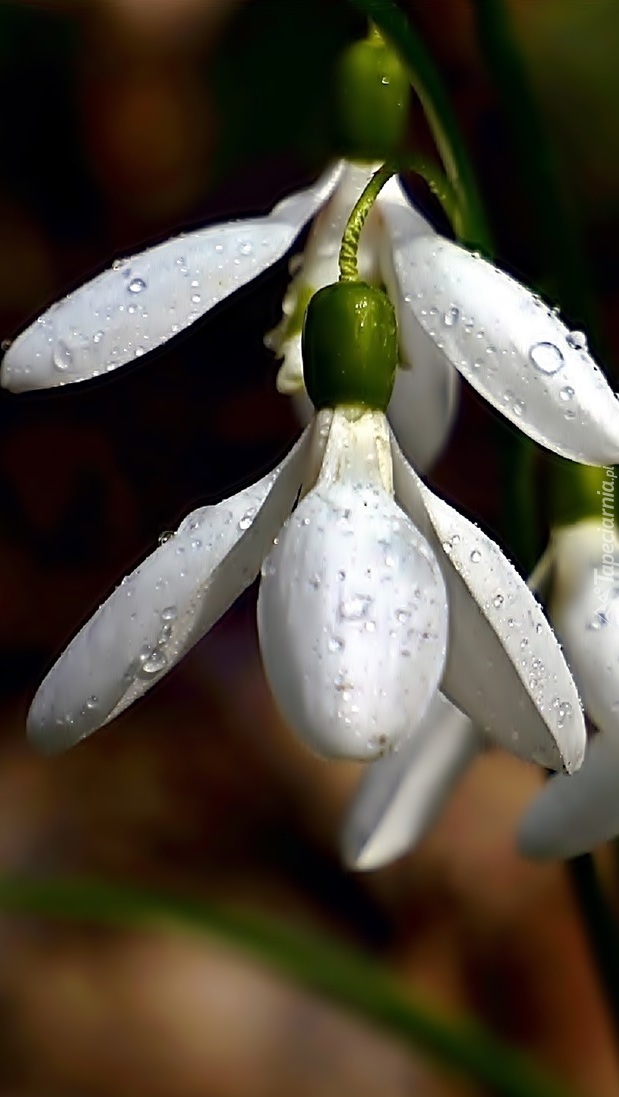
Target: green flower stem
{"x": 554, "y": 228}
{"x": 470, "y": 221}
{"x": 331, "y": 968}
{"x": 436, "y": 180}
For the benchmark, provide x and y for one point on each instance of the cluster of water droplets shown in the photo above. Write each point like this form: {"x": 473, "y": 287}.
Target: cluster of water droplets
{"x": 526, "y": 651}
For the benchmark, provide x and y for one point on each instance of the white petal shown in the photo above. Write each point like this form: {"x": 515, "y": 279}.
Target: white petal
{"x": 402, "y": 794}
{"x": 511, "y": 348}
{"x": 146, "y": 299}
{"x": 164, "y": 607}
{"x": 352, "y": 616}
{"x": 423, "y": 406}
{"x": 572, "y": 815}
{"x": 585, "y": 613}
{"x": 425, "y": 397}
{"x": 504, "y": 666}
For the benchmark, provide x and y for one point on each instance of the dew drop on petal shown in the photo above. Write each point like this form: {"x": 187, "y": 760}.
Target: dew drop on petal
{"x": 566, "y": 393}
{"x": 475, "y": 556}
{"x": 63, "y": 356}
{"x": 451, "y": 316}
{"x": 136, "y": 285}
{"x": 577, "y": 340}
{"x": 546, "y": 357}
{"x": 170, "y": 613}
{"x": 154, "y": 663}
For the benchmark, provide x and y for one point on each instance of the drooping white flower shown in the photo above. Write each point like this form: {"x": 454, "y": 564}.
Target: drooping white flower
{"x": 454, "y": 309}
{"x": 354, "y": 625}
{"x": 569, "y": 817}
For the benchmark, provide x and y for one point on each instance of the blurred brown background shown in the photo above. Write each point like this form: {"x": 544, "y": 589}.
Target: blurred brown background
{"x": 121, "y": 122}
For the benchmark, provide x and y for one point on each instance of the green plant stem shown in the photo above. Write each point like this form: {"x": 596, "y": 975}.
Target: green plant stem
{"x": 471, "y": 224}
{"x": 438, "y": 183}
{"x": 332, "y": 969}
{"x": 572, "y": 488}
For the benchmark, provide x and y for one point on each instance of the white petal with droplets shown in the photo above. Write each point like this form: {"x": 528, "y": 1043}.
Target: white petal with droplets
{"x": 572, "y": 815}
{"x": 584, "y": 610}
{"x": 352, "y": 619}
{"x": 425, "y": 396}
{"x": 402, "y": 794}
{"x": 164, "y": 607}
{"x": 146, "y": 299}
{"x": 352, "y": 611}
{"x": 504, "y": 667}
{"x": 511, "y": 348}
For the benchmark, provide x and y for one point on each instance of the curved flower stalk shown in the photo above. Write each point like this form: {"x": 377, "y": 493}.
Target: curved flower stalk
{"x": 353, "y": 621}
{"x": 454, "y": 310}
{"x": 569, "y": 817}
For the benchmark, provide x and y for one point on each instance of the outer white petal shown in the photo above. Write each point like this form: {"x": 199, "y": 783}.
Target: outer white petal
{"x": 425, "y": 397}
{"x": 572, "y": 815}
{"x": 504, "y": 666}
{"x": 402, "y": 794}
{"x": 146, "y": 299}
{"x": 352, "y": 613}
{"x": 164, "y": 607}
{"x": 584, "y": 610}
{"x": 511, "y": 348}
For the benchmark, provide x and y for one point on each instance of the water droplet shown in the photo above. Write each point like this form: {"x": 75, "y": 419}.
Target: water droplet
{"x": 153, "y": 663}
{"x": 577, "y": 340}
{"x": 598, "y": 621}
{"x": 136, "y": 285}
{"x": 546, "y": 357}
{"x": 92, "y": 703}
{"x": 451, "y": 316}
{"x": 563, "y": 711}
{"x": 475, "y": 556}
{"x": 402, "y": 615}
{"x": 497, "y": 601}
{"x": 98, "y": 336}
{"x": 247, "y": 519}
{"x": 170, "y": 613}
{"x": 524, "y": 643}
{"x": 165, "y": 536}
{"x": 566, "y": 392}
{"x": 478, "y": 363}
{"x": 314, "y": 581}
{"x": 335, "y": 643}
{"x": 356, "y": 608}
{"x": 246, "y": 248}
{"x": 63, "y": 356}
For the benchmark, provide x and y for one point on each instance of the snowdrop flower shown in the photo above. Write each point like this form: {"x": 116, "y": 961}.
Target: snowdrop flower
{"x": 454, "y": 311}
{"x": 353, "y": 622}
{"x": 401, "y": 795}
{"x": 572, "y": 816}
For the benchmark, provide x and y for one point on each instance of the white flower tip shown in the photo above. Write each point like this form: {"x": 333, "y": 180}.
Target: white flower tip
{"x": 367, "y": 850}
